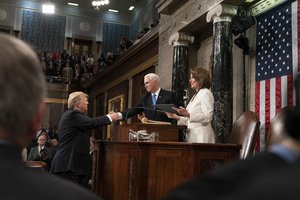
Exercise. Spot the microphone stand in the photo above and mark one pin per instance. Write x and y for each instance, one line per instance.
(141, 107)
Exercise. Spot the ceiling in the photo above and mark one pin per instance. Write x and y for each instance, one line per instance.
(120, 5)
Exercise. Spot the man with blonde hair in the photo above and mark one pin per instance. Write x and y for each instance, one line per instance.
(72, 160)
(22, 86)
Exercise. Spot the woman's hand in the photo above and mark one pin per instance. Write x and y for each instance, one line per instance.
(182, 111)
(172, 115)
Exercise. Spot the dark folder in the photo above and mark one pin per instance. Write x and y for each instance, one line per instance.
(166, 107)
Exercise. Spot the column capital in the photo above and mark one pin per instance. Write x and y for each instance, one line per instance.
(221, 12)
(181, 39)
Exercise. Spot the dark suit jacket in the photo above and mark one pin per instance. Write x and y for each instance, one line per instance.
(145, 105)
(34, 155)
(72, 154)
(279, 184)
(21, 182)
(229, 179)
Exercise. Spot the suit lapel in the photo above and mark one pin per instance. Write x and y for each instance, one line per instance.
(159, 98)
(149, 100)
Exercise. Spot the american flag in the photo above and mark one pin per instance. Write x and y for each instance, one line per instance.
(276, 63)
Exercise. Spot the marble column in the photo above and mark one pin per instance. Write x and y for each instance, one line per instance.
(222, 69)
(180, 70)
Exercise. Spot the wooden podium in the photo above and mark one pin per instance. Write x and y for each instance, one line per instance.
(171, 133)
(134, 170)
(125, 170)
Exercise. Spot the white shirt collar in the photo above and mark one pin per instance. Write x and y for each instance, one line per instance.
(157, 92)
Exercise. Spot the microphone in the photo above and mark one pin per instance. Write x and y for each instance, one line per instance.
(141, 107)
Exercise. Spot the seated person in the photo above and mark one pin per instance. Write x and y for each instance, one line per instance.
(41, 152)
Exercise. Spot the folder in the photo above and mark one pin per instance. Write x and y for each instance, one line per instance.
(166, 108)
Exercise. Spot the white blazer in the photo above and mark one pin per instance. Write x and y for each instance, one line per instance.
(201, 108)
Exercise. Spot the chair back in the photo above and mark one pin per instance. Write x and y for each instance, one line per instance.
(245, 132)
(277, 130)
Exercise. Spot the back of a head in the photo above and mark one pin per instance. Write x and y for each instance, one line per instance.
(22, 86)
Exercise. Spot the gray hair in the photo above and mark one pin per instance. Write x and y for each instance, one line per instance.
(152, 77)
(75, 97)
(22, 86)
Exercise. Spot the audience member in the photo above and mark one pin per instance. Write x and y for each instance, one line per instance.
(124, 45)
(272, 174)
(154, 95)
(90, 60)
(48, 130)
(199, 112)
(78, 74)
(68, 73)
(109, 58)
(41, 152)
(102, 63)
(71, 160)
(22, 112)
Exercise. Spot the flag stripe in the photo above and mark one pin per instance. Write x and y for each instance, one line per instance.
(257, 110)
(290, 92)
(278, 96)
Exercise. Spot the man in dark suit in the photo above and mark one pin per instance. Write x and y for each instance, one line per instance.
(41, 152)
(155, 95)
(72, 160)
(23, 88)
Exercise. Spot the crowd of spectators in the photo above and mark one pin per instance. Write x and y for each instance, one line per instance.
(62, 67)
(126, 43)
(75, 68)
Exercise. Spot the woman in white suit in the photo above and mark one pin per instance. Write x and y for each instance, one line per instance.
(197, 116)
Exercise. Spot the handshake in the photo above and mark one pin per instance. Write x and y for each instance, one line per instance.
(114, 116)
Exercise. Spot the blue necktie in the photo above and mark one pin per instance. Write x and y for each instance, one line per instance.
(154, 99)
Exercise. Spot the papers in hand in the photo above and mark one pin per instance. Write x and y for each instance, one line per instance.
(166, 108)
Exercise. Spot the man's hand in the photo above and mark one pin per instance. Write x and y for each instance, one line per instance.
(113, 116)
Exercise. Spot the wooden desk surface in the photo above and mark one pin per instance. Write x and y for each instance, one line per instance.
(149, 170)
